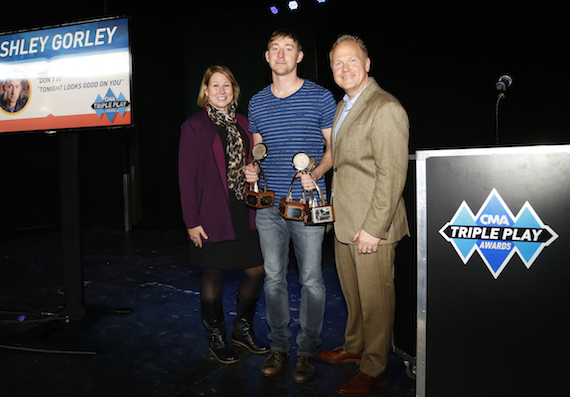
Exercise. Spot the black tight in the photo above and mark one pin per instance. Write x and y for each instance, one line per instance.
(249, 286)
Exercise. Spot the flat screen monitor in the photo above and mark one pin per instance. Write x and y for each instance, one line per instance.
(66, 77)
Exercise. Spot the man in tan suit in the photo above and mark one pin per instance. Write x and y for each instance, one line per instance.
(370, 160)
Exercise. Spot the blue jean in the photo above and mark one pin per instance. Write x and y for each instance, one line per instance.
(275, 233)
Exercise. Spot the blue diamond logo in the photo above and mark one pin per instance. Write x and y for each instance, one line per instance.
(110, 105)
(496, 234)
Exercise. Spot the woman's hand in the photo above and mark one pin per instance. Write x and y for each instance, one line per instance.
(196, 234)
(252, 172)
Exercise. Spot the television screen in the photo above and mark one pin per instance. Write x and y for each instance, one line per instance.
(66, 77)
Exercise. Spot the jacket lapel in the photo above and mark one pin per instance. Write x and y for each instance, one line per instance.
(340, 106)
(353, 114)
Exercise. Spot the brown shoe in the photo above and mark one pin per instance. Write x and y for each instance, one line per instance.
(273, 364)
(339, 356)
(305, 369)
(361, 384)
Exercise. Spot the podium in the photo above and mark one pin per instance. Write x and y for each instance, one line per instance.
(493, 228)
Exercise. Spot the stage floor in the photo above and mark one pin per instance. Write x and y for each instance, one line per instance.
(160, 348)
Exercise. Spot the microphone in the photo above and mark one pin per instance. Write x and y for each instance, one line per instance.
(504, 82)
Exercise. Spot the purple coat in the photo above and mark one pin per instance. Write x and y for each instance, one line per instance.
(202, 177)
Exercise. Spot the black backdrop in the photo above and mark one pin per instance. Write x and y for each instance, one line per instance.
(440, 60)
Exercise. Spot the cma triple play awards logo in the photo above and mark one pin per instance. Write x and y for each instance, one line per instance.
(496, 234)
(110, 105)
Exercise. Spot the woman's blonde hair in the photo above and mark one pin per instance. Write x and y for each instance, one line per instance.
(206, 80)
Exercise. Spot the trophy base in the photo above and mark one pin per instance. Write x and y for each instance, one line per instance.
(293, 210)
(259, 199)
(319, 215)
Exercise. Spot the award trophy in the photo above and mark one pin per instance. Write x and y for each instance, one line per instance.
(304, 209)
(253, 197)
(290, 208)
(315, 214)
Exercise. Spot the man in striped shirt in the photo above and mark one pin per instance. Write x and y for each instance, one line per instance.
(291, 115)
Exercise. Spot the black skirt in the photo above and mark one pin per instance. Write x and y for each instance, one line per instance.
(242, 253)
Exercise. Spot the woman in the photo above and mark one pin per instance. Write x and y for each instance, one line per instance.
(214, 147)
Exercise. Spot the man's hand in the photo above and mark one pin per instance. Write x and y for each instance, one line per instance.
(367, 243)
(306, 181)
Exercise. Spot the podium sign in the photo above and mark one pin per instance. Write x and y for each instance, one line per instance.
(493, 295)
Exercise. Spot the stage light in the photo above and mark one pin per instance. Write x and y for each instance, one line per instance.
(321, 1)
(293, 5)
(274, 10)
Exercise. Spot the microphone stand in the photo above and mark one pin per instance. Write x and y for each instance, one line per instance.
(499, 98)
(504, 82)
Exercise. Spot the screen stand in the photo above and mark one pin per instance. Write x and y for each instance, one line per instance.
(74, 300)
(61, 327)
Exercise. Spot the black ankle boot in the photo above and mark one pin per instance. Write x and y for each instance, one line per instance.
(243, 326)
(213, 318)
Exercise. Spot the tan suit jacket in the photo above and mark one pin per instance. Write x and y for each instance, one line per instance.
(370, 162)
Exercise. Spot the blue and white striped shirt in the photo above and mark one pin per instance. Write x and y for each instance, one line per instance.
(289, 126)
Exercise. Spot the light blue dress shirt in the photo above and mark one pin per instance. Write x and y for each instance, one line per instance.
(349, 103)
